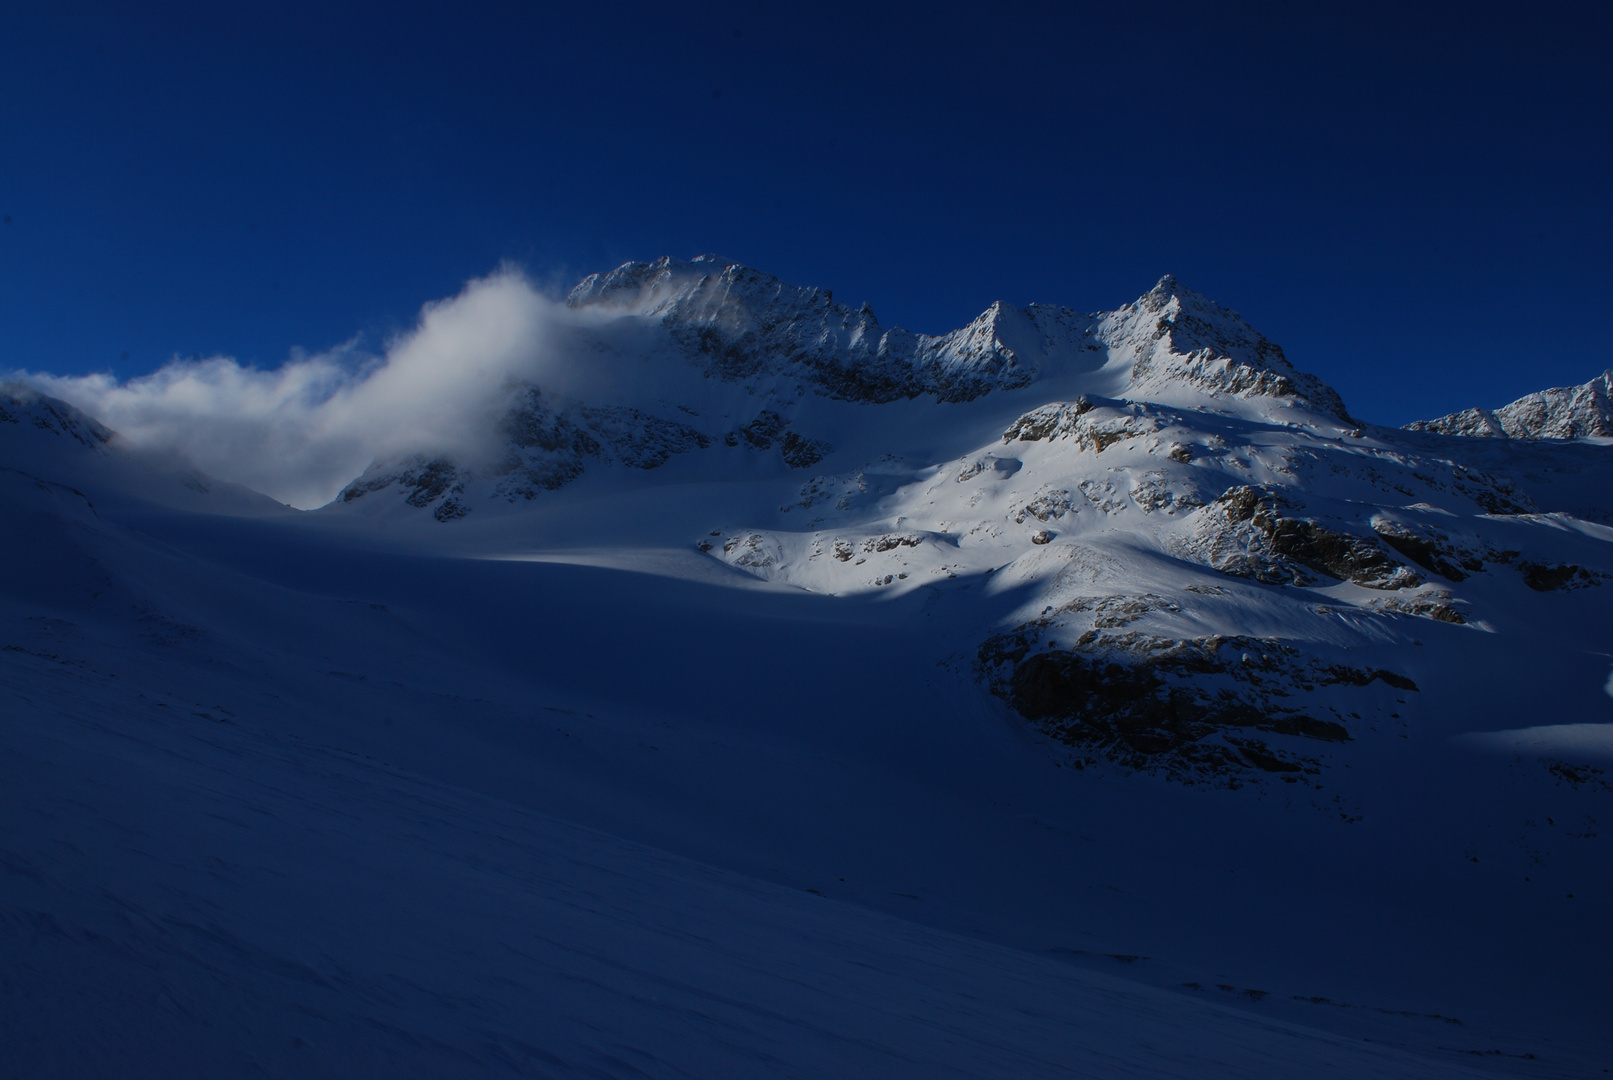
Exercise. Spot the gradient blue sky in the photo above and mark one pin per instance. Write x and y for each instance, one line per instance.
(1414, 200)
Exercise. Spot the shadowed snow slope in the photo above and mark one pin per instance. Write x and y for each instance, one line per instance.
(786, 695)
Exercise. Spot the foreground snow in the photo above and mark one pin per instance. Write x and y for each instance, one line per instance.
(191, 897)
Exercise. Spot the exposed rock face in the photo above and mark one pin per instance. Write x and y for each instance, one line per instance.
(1496, 494)
(1244, 533)
(1214, 709)
(1566, 412)
(1435, 604)
(1087, 424)
(1155, 492)
(1048, 505)
(1542, 577)
(1428, 548)
(544, 447)
(892, 541)
(753, 551)
(798, 451)
(427, 483)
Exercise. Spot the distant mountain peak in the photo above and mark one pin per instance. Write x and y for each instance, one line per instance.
(1562, 412)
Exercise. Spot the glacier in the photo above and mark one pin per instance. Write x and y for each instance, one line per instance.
(1072, 693)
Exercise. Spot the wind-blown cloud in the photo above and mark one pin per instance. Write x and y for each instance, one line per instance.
(301, 431)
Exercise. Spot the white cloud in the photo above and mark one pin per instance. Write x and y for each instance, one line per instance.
(303, 430)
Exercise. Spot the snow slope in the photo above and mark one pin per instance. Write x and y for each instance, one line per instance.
(1099, 698)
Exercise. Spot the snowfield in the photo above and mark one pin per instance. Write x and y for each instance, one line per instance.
(784, 694)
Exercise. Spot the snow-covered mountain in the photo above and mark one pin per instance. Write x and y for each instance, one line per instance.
(688, 357)
(1563, 412)
(1144, 476)
(1127, 705)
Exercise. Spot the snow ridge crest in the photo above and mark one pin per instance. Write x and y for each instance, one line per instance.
(741, 325)
(1562, 412)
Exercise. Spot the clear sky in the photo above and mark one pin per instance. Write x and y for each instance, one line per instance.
(1414, 200)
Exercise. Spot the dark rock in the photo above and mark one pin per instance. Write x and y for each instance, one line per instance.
(1431, 551)
(759, 433)
(1197, 709)
(1327, 551)
(1543, 578)
(1399, 682)
(429, 482)
(800, 452)
(450, 509)
(891, 541)
(1192, 708)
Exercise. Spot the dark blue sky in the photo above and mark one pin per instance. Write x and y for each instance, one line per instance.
(1415, 204)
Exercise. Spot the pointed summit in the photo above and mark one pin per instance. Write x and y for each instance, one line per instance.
(1181, 341)
(1163, 290)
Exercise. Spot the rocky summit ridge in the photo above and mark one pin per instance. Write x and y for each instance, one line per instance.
(745, 348)
(1563, 412)
(737, 323)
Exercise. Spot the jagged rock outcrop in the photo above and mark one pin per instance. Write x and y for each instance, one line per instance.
(1563, 412)
(1429, 548)
(1246, 533)
(1090, 425)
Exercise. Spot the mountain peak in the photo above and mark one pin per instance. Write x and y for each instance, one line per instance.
(1181, 341)
(1562, 412)
(1169, 293)
(1165, 288)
